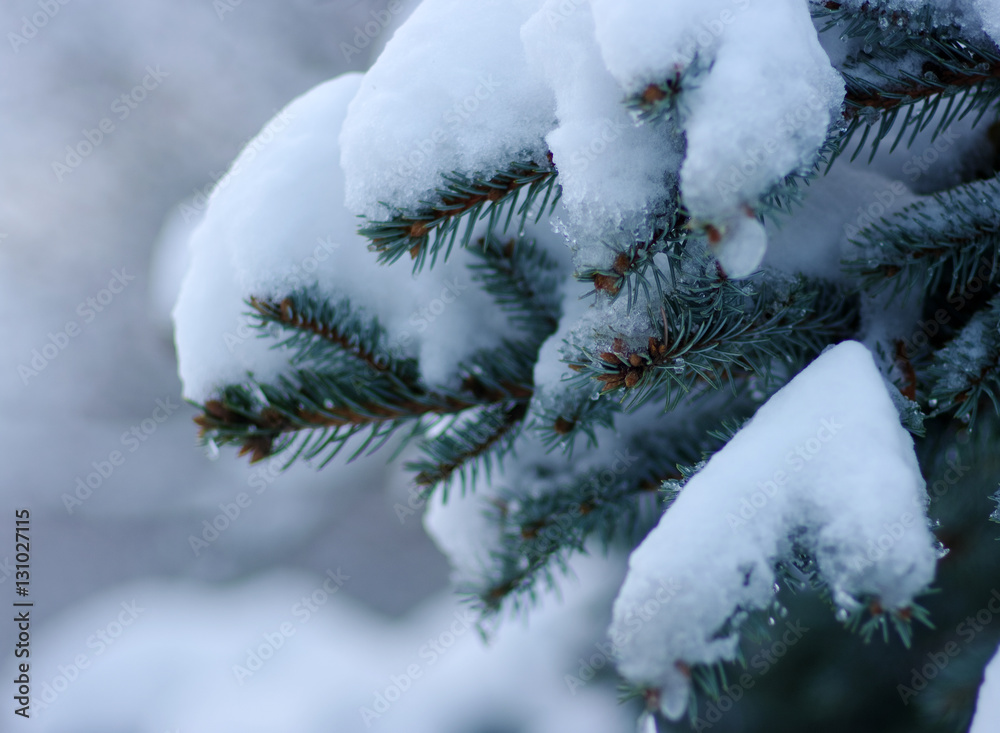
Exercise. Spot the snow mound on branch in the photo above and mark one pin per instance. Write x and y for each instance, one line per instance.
(613, 173)
(730, 55)
(275, 223)
(450, 92)
(825, 460)
(987, 718)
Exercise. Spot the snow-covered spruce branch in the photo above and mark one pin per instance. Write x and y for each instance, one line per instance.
(965, 375)
(569, 383)
(724, 564)
(609, 505)
(957, 67)
(339, 397)
(458, 204)
(716, 331)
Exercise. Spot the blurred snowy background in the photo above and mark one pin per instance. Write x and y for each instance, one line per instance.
(116, 118)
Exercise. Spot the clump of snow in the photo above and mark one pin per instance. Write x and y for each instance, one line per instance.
(614, 174)
(987, 719)
(989, 11)
(451, 92)
(824, 460)
(737, 147)
(730, 55)
(275, 223)
(742, 246)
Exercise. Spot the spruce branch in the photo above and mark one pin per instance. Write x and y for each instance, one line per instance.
(458, 205)
(712, 329)
(485, 438)
(954, 234)
(307, 315)
(335, 397)
(523, 280)
(633, 271)
(956, 71)
(544, 527)
(965, 374)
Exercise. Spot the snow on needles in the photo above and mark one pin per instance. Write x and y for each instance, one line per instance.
(451, 92)
(826, 461)
(470, 86)
(275, 223)
(732, 54)
(614, 175)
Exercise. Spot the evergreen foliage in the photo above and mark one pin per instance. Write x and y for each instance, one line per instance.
(712, 349)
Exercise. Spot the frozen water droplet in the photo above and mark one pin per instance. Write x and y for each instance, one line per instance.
(770, 621)
(883, 22)
(932, 403)
(868, 48)
(777, 588)
(842, 615)
(328, 404)
(783, 612)
(211, 449)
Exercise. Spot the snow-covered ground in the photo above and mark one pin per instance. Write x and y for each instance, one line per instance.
(111, 114)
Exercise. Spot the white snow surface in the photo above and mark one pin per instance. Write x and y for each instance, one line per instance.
(737, 147)
(824, 459)
(268, 655)
(613, 174)
(451, 92)
(989, 11)
(987, 718)
(275, 222)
